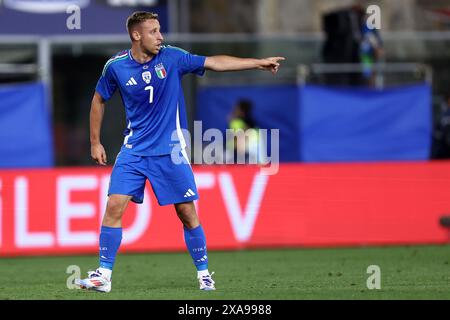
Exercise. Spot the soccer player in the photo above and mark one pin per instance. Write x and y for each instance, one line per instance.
(148, 77)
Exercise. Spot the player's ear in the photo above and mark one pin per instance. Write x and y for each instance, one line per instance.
(135, 35)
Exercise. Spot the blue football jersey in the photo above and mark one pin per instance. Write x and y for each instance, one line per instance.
(153, 97)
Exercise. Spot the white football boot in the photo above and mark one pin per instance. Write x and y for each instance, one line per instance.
(206, 282)
(94, 281)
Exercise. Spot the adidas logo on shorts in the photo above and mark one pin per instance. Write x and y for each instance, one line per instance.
(189, 193)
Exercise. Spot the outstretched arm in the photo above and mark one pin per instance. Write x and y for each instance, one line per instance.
(96, 117)
(229, 63)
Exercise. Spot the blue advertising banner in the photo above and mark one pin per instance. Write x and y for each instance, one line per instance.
(320, 124)
(25, 127)
(364, 124)
(61, 17)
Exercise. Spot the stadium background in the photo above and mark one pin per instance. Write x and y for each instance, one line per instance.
(360, 166)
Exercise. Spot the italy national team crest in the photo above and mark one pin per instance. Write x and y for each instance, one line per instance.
(160, 71)
(146, 76)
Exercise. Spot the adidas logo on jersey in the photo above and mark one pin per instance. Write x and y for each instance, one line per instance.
(189, 193)
(131, 82)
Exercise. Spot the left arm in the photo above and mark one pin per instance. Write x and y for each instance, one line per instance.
(229, 63)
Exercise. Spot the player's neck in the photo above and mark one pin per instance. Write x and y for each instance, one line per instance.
(140, 56)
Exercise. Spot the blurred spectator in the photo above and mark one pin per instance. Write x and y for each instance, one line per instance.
(350, 40)
(343, 35)
(371, 52)
(241, 119)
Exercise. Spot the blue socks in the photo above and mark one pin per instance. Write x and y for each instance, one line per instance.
(196, 244)
(110, 239)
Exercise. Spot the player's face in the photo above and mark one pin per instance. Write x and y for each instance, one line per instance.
(151, 37)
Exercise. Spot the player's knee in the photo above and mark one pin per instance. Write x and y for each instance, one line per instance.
(184, 209)
(186, 213)
(115, 208)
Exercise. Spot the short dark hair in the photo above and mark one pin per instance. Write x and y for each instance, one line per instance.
(138, 17)
(245, 106)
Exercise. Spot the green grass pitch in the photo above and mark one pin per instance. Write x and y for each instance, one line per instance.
(412, 272)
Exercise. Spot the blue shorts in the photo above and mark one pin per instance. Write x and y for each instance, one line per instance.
(171, 183)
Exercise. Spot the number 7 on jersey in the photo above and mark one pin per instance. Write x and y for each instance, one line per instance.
(151, 93)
